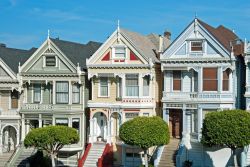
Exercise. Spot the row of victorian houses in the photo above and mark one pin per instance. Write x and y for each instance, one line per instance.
(96, 87)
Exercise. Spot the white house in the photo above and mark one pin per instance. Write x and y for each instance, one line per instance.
(199, 77)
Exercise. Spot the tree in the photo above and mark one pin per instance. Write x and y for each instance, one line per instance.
(51, 139)
(229, 128)
(145, 132)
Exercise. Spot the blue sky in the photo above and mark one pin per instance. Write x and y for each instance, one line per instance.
(24, 23)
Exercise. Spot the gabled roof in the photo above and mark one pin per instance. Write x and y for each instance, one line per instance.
(12, 56)
(143, 43)
(77, 52)
(224, 36)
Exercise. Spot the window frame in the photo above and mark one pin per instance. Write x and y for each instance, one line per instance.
(35, 91)
(203, 79)
(62, 92)
(114, 51)
(228, 80)
(195, 51)
(99, 87)
(14, 95)
(179, 79)
(76, 92)
(148, 80)
(46, 63)
(138, 85)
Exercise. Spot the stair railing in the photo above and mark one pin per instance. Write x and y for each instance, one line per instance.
(82, 160)
(106, 159)
(243, 157)
(15, 155)
(158, 155)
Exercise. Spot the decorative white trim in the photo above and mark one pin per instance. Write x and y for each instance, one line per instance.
(11, 73)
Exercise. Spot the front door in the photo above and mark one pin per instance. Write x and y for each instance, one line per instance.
(175, 123)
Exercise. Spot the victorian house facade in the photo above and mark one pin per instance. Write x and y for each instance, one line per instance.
(200, 76)
(126, 82)
(10, 96)
(54, 87)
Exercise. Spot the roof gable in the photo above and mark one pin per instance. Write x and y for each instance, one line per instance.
(139, 49)
(6, 72)
(196, 31)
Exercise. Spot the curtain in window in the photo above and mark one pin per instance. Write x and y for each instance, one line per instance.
(210, 79)
(103, 86)
(75, 93)
(37, 93)
(146, 81)
(132, 85)
(62, 92)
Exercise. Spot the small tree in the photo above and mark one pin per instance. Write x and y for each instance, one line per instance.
(145, 132)
(229, 128)
(51, 139)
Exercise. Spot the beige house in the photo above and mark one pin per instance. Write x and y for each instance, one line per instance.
(126, 82)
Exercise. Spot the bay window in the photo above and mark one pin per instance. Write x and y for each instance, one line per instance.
(210, 79)
(75, 93)
(62, 92)
(104, 86)
(132, 85)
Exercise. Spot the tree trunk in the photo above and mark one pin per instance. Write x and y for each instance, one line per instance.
(146, 157)
(52, 156)
(235, 158)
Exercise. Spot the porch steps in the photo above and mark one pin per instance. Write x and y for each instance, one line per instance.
(67, 159)
(4, 157)
(95, 152)
(169, 154)
(23, 158)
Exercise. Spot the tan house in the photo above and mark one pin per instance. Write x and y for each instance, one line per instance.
(126, 82)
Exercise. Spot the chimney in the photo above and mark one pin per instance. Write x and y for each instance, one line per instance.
(160, 44)
(167, 34)
(2, 45)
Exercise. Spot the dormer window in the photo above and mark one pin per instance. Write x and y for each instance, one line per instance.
(196, 46)
(119, 52)
(50, 61)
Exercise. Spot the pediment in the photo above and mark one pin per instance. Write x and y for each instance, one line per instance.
(185, 45)
(48, 59)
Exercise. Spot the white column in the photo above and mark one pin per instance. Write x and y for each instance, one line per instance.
(200, 79)
(200, 121)
(54, 92)
(1, 143)
(123, 85)
(140, 85)
(184, 122)
(70, 92)
(165, 113)
(220, 77)
(188, 115)
(23, 128)
(40, 121)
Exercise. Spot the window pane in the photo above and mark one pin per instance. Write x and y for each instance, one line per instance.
(103, 86)
(132, 87)
(120, 52)
(50, 61)
(177, 80)
(196, 46)
(210, 79)
(62, 121)
(62, 92)
(37, 93)
(14, 99)
(146, 81)
(225, 85)
(75, 93)
(76, 124)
